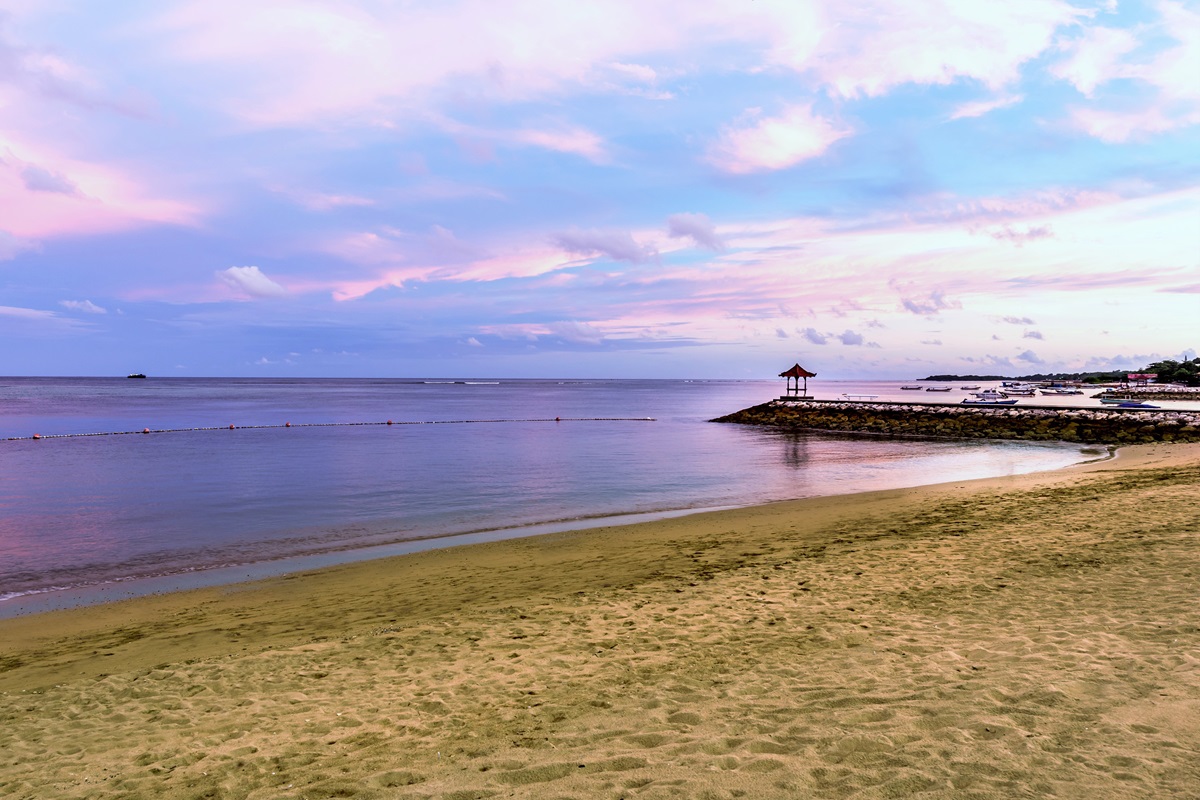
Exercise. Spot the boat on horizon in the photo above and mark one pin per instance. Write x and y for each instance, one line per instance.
(937, 388)
(135, 375)
(909, 387)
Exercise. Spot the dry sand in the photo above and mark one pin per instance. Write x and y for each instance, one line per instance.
(1034, 636)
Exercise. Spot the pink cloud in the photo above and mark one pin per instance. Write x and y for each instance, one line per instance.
(982, 107)
(775, 143)
(45, 194)
(576, 141)
(1122, 126)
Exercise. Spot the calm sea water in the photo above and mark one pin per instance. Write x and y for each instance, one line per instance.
(87, 518)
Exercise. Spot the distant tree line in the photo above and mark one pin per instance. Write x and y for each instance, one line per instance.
(1186, 373)
(1183, 372)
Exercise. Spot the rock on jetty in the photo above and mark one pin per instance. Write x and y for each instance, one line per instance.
(1091, 425)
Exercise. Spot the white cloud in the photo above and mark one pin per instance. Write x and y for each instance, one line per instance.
(26, 313)
(873, 46)
(1166, 75)
(86, 306)
(1095, 59)
(851, 338)
(1032, 335)
(774, 143)
(251, 281)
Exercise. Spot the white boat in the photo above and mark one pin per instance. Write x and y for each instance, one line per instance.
(966, 388)
(996, 402)
(989, 394)
(937, 389)
(1054, 392)
(910, 387)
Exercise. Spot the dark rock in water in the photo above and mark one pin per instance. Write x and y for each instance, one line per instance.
(1088, 425)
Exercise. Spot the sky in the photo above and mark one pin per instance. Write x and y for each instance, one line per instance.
(876, 189)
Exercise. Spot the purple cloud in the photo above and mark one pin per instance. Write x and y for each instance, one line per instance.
(814, 336)
(697, 227)
(1010, 234)
(1030, 357)
(40, 179)
(933, 303)
(617, 245)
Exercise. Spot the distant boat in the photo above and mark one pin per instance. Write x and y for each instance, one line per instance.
(1135, 404)
(969, 388)
(910, 387)
(937, 389)
(990, 394)
(135, 375)
(1112, 401)
(1059, 391)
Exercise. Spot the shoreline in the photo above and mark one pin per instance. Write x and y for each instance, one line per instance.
(40, 601)
(985, 638)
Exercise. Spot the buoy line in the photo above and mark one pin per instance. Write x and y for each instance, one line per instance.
(38, 436)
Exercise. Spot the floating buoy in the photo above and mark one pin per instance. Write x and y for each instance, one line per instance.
(230, 427)
(389, 422)
(287, 424)
(145, 430)
(37, 436)
(556, 419)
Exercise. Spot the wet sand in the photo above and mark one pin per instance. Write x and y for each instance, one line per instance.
(1033, 636)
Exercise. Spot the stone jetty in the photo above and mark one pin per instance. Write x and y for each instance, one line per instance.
(1091, 425)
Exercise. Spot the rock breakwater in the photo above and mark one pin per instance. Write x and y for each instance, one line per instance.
(1098, 426)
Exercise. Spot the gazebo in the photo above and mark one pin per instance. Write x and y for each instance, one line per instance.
(797, 373)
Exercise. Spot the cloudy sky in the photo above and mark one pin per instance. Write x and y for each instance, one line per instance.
(679, 188)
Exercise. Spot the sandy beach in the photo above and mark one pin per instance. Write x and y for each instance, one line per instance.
(1031, 636)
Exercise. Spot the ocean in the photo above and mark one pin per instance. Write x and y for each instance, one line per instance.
(255, 477)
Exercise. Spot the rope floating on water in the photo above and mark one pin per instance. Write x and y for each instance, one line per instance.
(38, 436)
